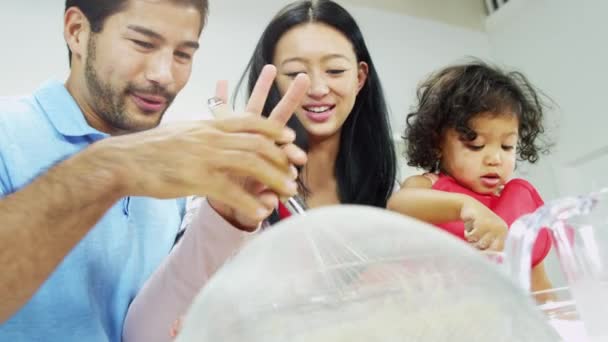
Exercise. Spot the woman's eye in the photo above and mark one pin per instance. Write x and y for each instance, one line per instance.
(335, 71)
(475, 147)
(508, 147)
(293, 74)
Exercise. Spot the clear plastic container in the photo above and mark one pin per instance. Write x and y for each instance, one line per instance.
(353, 273)
(579, 229)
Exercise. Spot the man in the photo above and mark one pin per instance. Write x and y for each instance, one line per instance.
(87, 179)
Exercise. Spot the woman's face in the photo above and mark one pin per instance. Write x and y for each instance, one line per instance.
(328, 58)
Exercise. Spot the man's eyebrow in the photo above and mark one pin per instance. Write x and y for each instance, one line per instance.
(191, 44)
(146, 32)
(157, 36)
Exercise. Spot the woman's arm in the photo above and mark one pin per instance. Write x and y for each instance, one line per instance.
(207, 244)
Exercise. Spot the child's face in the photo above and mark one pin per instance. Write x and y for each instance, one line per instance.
(486, 163)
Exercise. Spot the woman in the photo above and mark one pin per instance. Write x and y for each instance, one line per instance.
(343, 118)
(343, 122)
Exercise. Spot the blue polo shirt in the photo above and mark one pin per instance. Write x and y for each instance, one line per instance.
(87, 296)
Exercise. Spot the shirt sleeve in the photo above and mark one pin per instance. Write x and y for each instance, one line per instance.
(208, 242)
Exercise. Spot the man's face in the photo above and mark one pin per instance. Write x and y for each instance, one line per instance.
(138, 63)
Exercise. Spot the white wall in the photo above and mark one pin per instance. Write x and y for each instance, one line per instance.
(33, 49)
(470, 14)
(562, 45)
(405, 49)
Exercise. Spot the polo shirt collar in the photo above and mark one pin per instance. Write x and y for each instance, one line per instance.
(63, 111)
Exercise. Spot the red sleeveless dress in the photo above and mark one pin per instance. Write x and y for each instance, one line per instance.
(517, 198)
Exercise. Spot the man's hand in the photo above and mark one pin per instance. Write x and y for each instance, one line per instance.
(208, 158)
(196, 158)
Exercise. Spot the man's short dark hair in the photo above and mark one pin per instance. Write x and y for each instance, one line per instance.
(97, 11)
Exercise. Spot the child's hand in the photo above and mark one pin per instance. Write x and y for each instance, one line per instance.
(483, 228)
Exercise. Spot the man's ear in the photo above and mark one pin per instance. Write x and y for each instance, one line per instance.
(76, 32)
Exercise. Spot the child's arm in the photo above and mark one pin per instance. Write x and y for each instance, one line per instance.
(540, 282)
(485, 229)
(418, 200)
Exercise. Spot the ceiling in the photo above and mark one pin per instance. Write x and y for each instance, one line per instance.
(469, 14)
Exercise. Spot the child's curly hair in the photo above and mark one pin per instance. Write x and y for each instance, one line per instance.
(451, 97)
